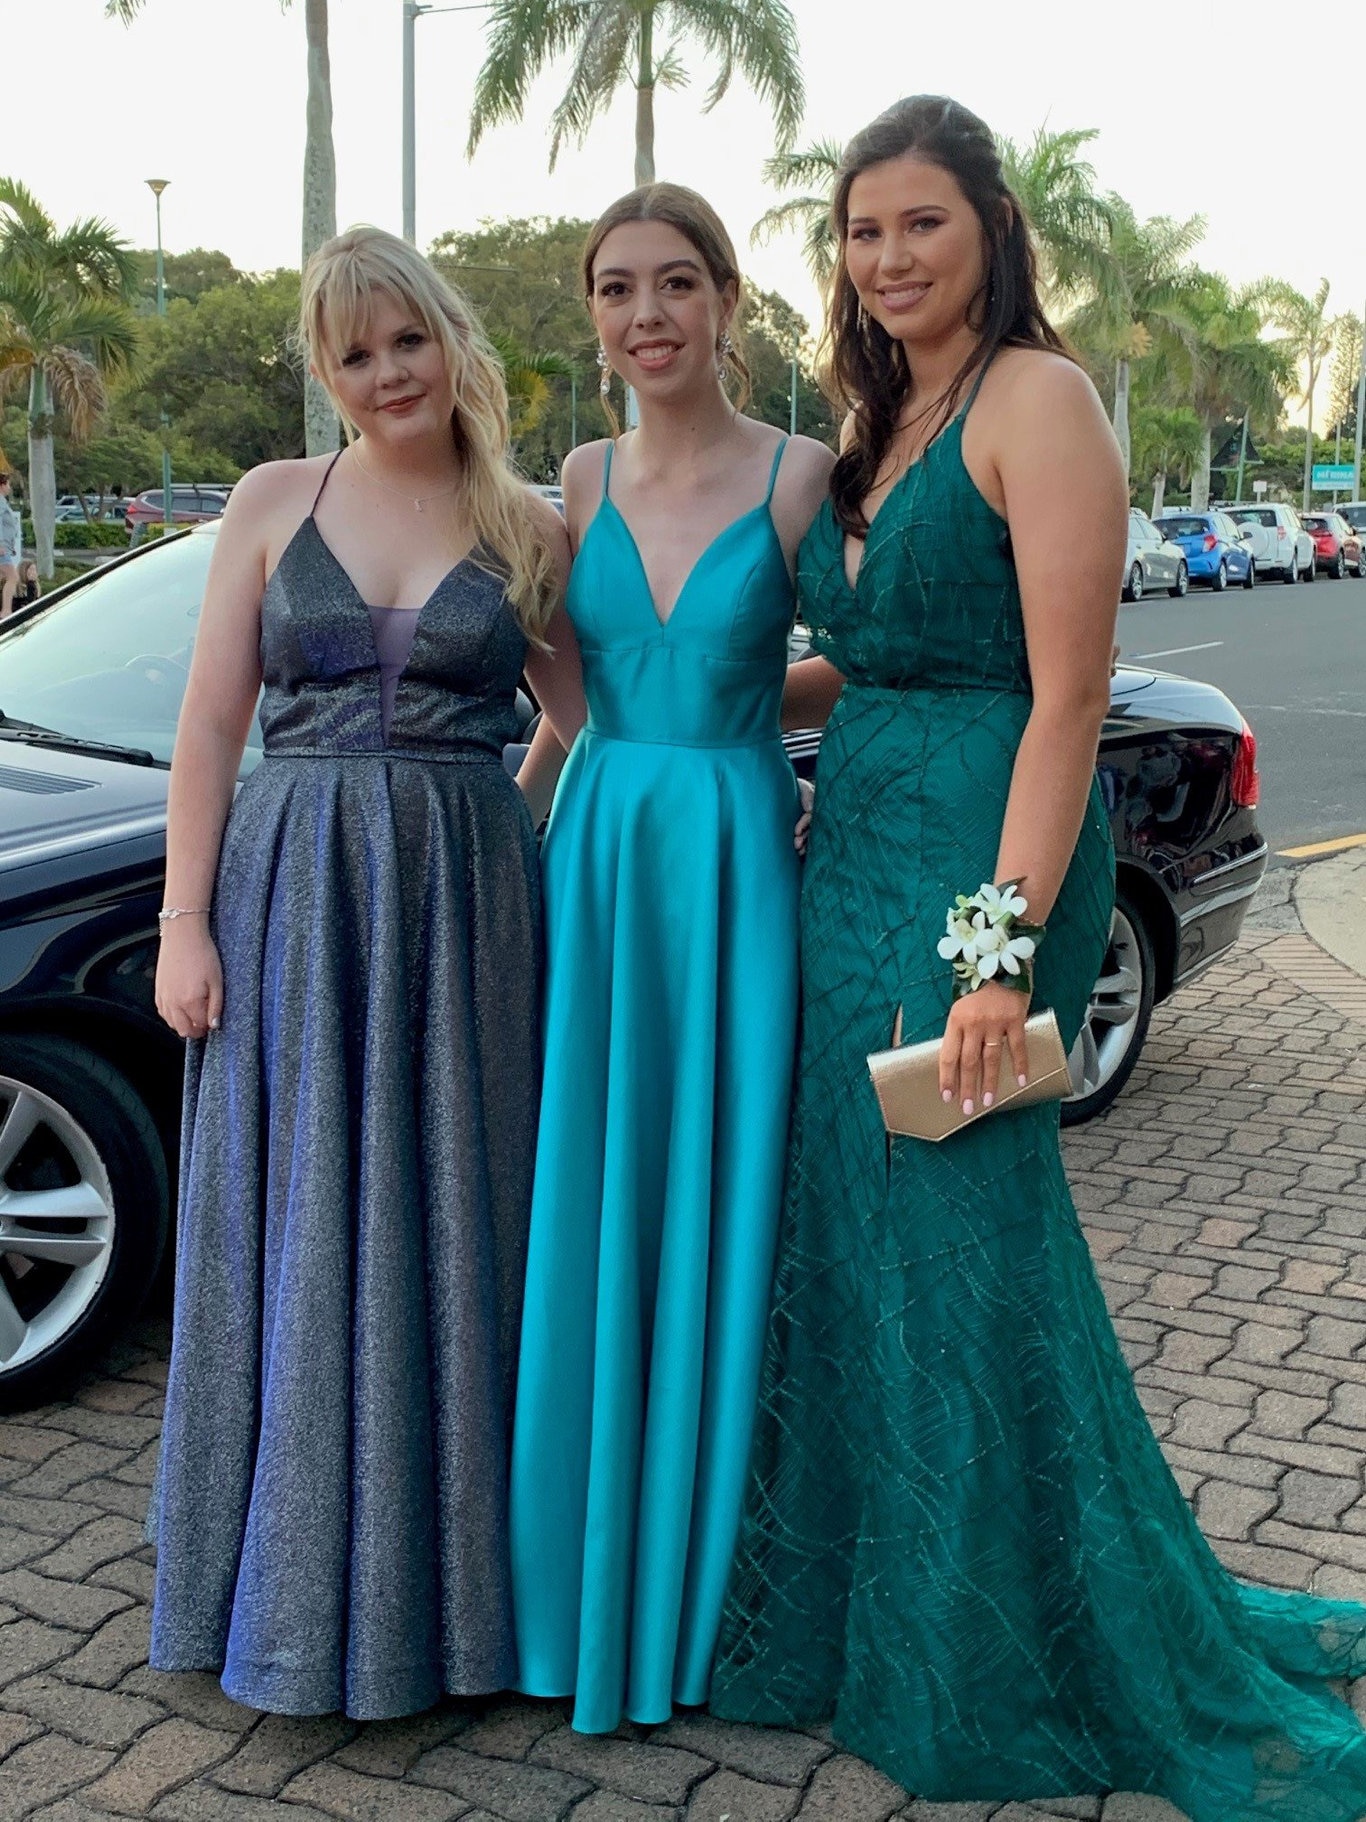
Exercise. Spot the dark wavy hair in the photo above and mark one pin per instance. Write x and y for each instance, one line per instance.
(699, 224)
(866, 367)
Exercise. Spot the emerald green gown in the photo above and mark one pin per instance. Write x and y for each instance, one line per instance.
(962, 1543)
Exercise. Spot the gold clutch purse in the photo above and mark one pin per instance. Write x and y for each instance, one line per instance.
(906, 1081)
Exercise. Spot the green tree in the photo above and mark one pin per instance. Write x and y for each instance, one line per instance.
(614, 44)
(1227, 369)
(66, 327)
(187, 275)
(1166, 440)
(812, 172)
(320, 184)
(1137, 298)
(1310, 335)
(1071, 224)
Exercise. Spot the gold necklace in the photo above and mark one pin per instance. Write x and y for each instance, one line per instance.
(402, 492)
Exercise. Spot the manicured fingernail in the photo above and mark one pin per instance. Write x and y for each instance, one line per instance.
(948, 1095)
(987, 1099)
(967, 1107)
(213, 1024)
(1023, 1080)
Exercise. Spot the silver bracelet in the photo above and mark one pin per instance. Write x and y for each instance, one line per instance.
(169, 912)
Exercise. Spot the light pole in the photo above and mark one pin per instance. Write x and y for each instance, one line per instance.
(156, 185)
(412, 10)
(1361, 407)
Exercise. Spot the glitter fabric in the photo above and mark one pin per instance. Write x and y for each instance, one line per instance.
(962, 1544)
(356, 1174)
(671, 995)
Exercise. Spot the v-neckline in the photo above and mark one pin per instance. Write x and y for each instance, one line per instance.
(664, 621)
(360, 600)
(892, 491)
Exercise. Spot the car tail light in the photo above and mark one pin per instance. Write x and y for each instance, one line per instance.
(1210, 540)
(1246, 786)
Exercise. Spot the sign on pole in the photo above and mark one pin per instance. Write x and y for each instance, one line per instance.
(1326, 477)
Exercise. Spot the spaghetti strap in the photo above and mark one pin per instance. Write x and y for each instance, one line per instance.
(607, 465)
(773, 472)
(976, 386)
(326, 478)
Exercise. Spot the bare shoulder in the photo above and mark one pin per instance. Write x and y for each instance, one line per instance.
(582, 467)
(1032, 381)
(277, 487)
(808, 457)
(550, 524)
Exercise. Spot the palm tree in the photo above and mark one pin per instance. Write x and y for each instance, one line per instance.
(1139, 297)
(1165, 438)
(321, 431)
(66, 324)
(614, 43)
(813, 171)
(1310, 336)
(1228, 369)
(528, 379)
(1071, 224)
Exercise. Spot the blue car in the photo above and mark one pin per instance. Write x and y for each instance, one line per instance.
(1216, 550)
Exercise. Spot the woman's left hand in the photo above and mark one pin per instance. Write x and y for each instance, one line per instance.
(984, 1035)
(806, 793)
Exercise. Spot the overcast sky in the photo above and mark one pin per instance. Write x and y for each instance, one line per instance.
(211, 97)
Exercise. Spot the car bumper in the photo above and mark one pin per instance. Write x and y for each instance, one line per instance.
(1211, 922)
(1201, 564)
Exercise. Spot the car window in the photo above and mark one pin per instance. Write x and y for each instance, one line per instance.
(1253, 515)
(1179, 527)
(1355, 517)
(1314, 522)
(110, 660)
(184, 499)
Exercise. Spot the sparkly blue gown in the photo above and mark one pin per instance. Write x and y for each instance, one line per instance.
(671, 915)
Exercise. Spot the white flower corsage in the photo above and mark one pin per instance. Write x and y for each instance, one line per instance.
(988, 940)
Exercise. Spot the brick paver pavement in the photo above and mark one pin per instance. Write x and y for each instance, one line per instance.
(1225, 1200)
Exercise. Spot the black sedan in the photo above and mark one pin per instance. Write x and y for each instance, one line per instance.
(91, 681)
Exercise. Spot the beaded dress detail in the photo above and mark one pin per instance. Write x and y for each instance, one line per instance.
(962, 1542)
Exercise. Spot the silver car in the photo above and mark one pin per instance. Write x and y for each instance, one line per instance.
(1151, 560)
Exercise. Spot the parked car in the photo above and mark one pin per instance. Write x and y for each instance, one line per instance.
(555, 495)
(190, 505)
(1355, 515)
(1336, 546)
(1152, 560)
(91, 681)
(1216, 550)
(1280, 544)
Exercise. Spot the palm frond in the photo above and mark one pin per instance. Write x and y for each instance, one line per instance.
(814, 166)
(601, 64)
(77, 389)
(670, 70)
(523, 37)
(757, 38)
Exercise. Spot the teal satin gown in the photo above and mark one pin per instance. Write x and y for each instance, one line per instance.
(671, 889)
(962, 1544)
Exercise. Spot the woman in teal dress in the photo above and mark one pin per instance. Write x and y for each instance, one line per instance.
(670, 880)
(962, 1544)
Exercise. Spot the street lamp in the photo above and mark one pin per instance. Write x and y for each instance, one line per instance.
(412, 10)
(156, 185)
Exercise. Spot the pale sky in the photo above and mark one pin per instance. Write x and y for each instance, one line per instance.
(212, 97)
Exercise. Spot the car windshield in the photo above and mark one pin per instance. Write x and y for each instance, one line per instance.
(1310, 523)
(110, 660)
(1252, 515)
(1183, 528)
(1355, 516)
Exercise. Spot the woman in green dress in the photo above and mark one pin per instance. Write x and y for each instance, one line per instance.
(962, 1543)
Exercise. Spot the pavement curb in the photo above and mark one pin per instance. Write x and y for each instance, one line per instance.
(1330, 897)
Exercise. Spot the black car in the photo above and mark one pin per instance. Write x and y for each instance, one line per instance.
(91, 681)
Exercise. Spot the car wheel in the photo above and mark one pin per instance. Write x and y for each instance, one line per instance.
(1339, 569)
(84, 1208)
(1308, 575)
(1250, 579)
(1219, 580)
(1291, 573)
(1133, 588)
(1116, 1023)
(1361, 566)
(1182, 582)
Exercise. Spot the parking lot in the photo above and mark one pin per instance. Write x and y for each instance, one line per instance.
(1225, 1201)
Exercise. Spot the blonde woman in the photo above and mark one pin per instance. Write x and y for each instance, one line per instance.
(353, 948)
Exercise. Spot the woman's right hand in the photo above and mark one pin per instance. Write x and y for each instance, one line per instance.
(189, 987)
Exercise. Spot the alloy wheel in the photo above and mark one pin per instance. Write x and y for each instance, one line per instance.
(56, 1222)
(1113, 1014)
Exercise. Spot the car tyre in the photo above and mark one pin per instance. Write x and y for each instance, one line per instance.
(1182, 583)
(85, 1211)
(1291, 572)
(1219, 580)
(1116, 1023)
(1133, 588)
(1339, 569)
(1250, 579)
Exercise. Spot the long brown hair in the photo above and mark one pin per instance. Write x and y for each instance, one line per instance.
(866, 367)
(699, 224)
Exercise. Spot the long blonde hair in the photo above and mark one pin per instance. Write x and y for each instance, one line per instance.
(340, 282)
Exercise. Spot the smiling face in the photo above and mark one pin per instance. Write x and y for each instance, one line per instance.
(914, 249)
(657, 309)
(390, 376)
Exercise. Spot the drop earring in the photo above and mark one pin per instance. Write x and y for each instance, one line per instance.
(605, 383)
(724, 349)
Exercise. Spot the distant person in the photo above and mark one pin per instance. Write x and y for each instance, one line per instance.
(359, 928)
(30, 588)
(11, 544)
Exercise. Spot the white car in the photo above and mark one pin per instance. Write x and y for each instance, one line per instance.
(1280, 544)
(1151, 560)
